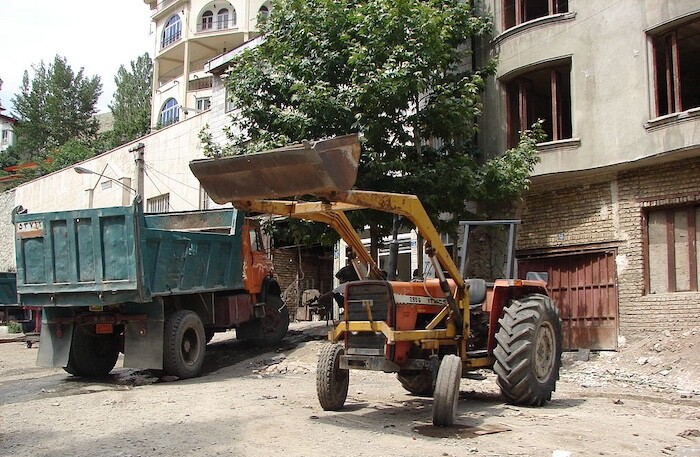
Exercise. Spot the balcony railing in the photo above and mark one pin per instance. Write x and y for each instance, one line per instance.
(200, 83)
(213, 26)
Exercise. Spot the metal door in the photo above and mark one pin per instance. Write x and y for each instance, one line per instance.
(584, 288)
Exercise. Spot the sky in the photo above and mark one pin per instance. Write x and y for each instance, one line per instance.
(97, 35)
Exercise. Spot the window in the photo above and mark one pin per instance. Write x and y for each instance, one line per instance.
(671, 250)
(677, 68)
(172, 31)
(222, 19)
(203, 103)
(5, 136)
(230, 106)
(159, 204)
(169, 113)
(263, 12)
(541, 94)
(207, 20)
(516, 12)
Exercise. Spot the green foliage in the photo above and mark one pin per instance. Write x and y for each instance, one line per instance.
(397, 71)
(71, 152)
(506, 177)
(56, 105)
(14, 327)
(131, 107)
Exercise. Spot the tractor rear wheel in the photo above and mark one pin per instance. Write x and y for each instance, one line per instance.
(528, 352)
(446, 392)
(331, 381)
(417, 382)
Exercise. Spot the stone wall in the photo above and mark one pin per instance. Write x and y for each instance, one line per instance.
(7, 231)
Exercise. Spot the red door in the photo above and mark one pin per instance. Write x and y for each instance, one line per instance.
(584, 288)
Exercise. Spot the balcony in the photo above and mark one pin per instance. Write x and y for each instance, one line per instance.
(216, 26)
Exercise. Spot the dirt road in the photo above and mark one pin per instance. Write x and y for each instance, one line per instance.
(253, 403)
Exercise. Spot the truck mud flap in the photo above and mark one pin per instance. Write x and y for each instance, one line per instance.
(143, 341)
(317, 168)
(55, 339)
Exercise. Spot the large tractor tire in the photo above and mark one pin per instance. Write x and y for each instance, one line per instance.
(331, 381)
(528, 352)
(417, 382)
(446, 393)
(184, 344)
(269, 330)
(92, 355)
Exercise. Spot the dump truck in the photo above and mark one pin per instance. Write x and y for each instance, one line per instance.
(155, 287)
(430, 333)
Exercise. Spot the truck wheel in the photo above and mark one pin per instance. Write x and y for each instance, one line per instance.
(184, 344)
(331, 381)
(269, 330)
(417, 382)
(92, 355)
(447, 391)
(528, 353)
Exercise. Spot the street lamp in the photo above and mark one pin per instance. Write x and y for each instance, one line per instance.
(86, 171)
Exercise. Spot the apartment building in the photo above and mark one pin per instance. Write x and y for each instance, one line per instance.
(188, 34)
(613, 213)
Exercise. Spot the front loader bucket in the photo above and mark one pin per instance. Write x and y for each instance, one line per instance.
(305, 169)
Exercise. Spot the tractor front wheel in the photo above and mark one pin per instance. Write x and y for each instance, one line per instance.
(528, 353)
(446, 392)
(331, 381)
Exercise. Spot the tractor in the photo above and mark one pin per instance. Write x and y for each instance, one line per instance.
(430, 333)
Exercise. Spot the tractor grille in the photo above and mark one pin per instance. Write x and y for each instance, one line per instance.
(379, 297)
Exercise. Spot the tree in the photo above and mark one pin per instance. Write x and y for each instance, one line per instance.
(398, 71)
(132, 101)
(55, 106)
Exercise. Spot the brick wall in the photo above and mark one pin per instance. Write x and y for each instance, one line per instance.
(664, 184)
(314, 272)
(609, 210)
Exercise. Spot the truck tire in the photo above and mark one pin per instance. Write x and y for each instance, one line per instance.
(446, 392)
(331, 381)
(184, 344)
(92, 355)
(528, 351)
(417, 382)
(269, 330)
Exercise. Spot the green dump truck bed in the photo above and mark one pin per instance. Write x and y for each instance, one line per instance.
(115, 255)
(8, 289)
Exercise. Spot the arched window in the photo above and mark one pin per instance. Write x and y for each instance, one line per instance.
(207, 20)
(169, 113)
(234, 16)
(172, 31)
(222, 19)
(263, 12)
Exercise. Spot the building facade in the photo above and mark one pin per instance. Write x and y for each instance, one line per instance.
(613, 212)
(188, 34)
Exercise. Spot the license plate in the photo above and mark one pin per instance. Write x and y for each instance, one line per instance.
(30, 229)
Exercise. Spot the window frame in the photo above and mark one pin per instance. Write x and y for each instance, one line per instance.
(692, 210)
(519, 8)
(172, 31)
(164, 117)
(521, 116)
(667, 76)
(157, 203)
(222, 19)
(207, 22)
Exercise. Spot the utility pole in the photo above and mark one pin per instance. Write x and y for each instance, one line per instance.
(139, 150)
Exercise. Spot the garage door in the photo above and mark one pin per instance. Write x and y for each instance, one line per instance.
(584, 288)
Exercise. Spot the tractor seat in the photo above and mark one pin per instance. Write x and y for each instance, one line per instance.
(477, 293)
